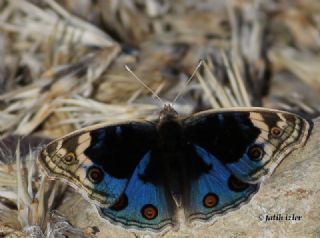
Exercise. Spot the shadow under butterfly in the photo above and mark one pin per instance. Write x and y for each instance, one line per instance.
(139, 174)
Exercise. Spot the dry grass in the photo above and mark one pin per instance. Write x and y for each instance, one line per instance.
(62, 68)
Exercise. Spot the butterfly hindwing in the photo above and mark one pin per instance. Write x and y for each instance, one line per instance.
(143, 205)
(215, 191)
(249, 142)
(99, 160)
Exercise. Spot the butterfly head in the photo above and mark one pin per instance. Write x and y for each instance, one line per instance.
(168, 113)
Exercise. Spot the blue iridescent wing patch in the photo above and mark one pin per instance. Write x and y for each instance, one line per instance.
(142, 205)
(215, 191)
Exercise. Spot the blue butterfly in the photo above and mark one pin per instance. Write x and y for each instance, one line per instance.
(140, 173)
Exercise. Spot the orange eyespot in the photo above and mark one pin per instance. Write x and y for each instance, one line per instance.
(255, 153)
(237, 185)
(149, 212)
(69, 158)
(121, 203)
(210, 200)
(95, 174)
(276, 132)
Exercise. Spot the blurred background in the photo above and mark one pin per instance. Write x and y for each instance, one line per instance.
(62, 63)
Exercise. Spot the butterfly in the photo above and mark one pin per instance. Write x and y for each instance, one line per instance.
(139, 174)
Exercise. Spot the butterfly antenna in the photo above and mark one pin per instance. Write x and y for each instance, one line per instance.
(154, 94)
(187, 82)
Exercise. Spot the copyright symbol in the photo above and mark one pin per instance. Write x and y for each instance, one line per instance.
(261, 217)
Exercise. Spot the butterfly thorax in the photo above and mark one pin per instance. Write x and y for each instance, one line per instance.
(170, 131)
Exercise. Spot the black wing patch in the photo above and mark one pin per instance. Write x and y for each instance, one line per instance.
(119, 149)
(225, 135)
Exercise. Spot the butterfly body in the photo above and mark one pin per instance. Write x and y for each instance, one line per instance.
(139, 173)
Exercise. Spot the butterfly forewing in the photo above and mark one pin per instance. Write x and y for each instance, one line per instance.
(99, 160)
(249, 142)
